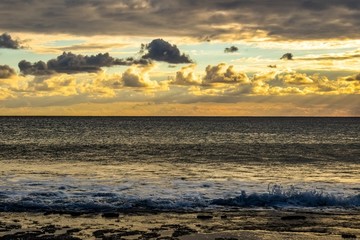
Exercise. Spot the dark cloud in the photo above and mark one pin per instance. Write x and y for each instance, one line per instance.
(287, 56)
(284, 19)
(161, 50)
(314, 5)
(231, 49)
(6, 71)
(6, 41)
(353, 78)
(72, 63)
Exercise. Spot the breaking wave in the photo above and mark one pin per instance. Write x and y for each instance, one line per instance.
(276, 197)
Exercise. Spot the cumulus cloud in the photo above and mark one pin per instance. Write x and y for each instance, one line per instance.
(186, 76)
(6, 72)
(73, 63)
(94, 85)
(138, 78)
(57, 85)
(214, 76)
(296, 79)
(161, 50)
(6, 93)
(353, 78)
(6, 41)
(222, 73)
(288, 83)
(287, 56)
(231, 49)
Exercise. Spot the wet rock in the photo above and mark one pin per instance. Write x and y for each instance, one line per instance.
(73, 230)
(60, 237)
(22, 235)
(49, 228)
(348, 236)
(110, 215)
(6, 226)
(204, 217)
(114, 234)
(75, 214)
(150, 235)
(102, 232)
(183, 230)
(293, 217)
(230, 238)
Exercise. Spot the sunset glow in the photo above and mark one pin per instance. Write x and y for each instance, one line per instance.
(144, 57)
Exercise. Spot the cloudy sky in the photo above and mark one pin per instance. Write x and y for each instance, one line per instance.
(180, 57)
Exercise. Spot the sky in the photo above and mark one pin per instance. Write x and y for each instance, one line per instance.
(180, 57)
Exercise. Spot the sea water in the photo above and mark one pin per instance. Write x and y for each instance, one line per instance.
(101, 164)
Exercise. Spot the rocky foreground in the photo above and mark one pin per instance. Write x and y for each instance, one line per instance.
(239, 224)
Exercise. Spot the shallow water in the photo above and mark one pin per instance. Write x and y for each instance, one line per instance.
(106, 164)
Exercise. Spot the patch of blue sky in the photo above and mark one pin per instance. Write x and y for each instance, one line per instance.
(13, 57)
(212, 53)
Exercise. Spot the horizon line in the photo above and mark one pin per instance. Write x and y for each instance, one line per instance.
(181, 116)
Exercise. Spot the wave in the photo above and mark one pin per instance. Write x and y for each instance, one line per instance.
(277, 197)
(101, 202)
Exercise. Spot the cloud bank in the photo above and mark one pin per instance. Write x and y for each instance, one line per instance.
(72, 63)
(217, 19)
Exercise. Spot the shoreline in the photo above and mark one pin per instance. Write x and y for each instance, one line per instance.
(211, 225)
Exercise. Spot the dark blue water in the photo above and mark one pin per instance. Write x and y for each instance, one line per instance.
(291, 140)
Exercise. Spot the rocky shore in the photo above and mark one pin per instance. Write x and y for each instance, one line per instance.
(212, 225)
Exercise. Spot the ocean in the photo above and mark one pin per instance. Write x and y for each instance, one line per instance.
(181, 164)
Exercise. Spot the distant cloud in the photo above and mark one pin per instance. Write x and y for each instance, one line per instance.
(6, 72)
(62, 84)
(335, 57)
(222, 73)
(297, 79)
(6, 41)
(289, 83)
(218, 74)
(222, 80)
(287, 56)
(231, 49)
(353, 78)
(137, 78)
(161, 50)
(90, 46)
(73, 63)
(272, 66)
(186, 76)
